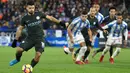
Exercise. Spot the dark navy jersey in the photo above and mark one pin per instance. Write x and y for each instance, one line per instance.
(107, 20)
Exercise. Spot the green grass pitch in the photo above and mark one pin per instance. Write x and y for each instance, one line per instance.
(54, 60)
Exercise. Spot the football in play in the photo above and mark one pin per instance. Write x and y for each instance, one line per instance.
(27, 68)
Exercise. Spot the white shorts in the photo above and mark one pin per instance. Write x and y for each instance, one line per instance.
(114, 41)
(78, 38)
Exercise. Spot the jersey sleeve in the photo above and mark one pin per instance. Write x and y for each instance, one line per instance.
(88, 24)
(104, 21)
(101, 20)
(125, 32)
(74, 22)
(42, 15)
(22, 22)
(107, 26)
(98, 26)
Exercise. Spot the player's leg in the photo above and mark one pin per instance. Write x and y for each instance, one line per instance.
(117, 51)
(111, 51)
(39, 48)
(81, 53)
(75, 53)
(18, 55)
(88, 43)
(96, 34)
(101, 49)
(36, 59)
(70, 48)
(118, 43)
(80, 39)
(20, 50)
(24, 46)
(94, 37)
(97, 51)
(86, 55)
(107, 48)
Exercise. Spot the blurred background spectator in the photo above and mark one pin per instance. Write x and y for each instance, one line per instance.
(11, 11)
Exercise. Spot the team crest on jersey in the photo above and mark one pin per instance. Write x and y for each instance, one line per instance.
(94, 23)
(38, 17)
(23, 41)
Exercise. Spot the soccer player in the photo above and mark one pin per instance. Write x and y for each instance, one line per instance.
(118, 28)
(32, 20)
(100, 18)
(74, 35)
(94, 26)
(111, 17)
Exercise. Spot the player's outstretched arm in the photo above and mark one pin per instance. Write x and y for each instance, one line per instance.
(51, 18)
(105, 27)
(109, 25)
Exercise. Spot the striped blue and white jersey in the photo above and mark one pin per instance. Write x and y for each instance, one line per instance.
(77, 24)
(116, 30)
(100, 17)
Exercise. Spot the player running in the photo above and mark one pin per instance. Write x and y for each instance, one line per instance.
(118, 28)
(111, 17)
(100, 18)
(32, 21)
(74, 35)
(94, 25)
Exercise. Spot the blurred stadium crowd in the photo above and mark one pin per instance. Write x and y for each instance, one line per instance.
(11, 11)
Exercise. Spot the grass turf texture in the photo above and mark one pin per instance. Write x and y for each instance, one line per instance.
(54, 60)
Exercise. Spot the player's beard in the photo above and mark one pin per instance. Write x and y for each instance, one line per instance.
(92, 16)
(31, 12)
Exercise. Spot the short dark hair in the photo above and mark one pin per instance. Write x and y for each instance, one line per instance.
(84, 12)
(95, 3)
(112, 8)
(119, 14)
(30, 3)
